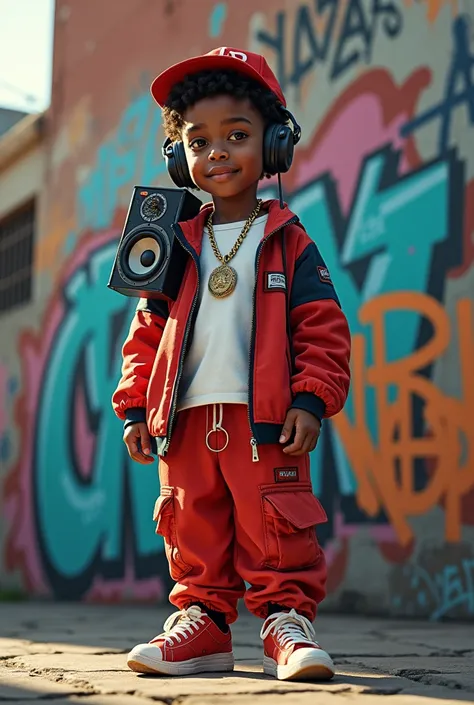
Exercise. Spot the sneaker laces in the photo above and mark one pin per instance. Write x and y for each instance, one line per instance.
(289, 628)
(181, 624)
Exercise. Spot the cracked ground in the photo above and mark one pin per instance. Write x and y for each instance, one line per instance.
(75, 653)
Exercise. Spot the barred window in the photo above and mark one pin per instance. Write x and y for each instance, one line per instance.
(16, 257)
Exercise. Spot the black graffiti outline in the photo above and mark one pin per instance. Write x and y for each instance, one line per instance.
(358, 22)
(462, 66)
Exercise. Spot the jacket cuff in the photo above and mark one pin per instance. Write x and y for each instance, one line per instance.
(133, 415)
(311, 403)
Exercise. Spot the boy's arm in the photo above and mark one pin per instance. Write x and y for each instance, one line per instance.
(320, 336)
(138, 352)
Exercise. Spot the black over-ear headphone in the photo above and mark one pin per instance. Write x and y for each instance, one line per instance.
(278, 148)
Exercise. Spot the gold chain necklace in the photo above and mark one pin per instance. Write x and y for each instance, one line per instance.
(223, 279)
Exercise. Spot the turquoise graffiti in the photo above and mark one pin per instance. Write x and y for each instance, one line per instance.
(131, 155)
(217, 19)
(440, 584)
(91, 500)
(83, 477)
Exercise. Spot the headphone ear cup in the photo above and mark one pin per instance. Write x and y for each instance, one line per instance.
(278, 149)
(177, 164)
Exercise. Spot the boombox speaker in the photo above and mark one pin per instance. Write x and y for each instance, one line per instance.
(150, 261)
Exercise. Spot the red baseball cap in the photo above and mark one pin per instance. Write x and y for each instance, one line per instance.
(245, 62)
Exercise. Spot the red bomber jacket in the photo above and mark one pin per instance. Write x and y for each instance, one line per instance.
(300, 340)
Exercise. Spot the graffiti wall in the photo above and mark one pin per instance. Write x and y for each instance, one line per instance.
(383, 180)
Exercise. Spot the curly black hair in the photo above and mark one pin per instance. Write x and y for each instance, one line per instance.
(212, 83)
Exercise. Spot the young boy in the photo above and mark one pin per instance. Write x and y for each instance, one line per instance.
(233, 379)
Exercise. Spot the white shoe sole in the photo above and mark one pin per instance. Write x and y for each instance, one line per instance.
(214, 663)
(310, 668)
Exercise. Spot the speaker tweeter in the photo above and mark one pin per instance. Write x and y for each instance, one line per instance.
(150, 260)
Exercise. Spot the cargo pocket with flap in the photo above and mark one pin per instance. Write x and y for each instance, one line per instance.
(290, 517)
(166, 527)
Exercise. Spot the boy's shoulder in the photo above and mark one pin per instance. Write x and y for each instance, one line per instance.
(295, 231)
(288, 221)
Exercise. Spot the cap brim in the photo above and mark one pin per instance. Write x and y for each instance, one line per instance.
(162, 85)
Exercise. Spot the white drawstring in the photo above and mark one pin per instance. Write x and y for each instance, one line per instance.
(216, 426)
(289, 627)
(181, 624)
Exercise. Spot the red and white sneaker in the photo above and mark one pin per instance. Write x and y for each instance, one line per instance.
(291, 651)
(191, 643)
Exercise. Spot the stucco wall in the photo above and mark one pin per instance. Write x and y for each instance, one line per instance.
(383, 181)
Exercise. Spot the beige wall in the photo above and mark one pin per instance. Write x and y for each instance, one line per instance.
(22, 181)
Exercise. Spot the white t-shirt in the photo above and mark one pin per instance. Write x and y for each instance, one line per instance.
(216, 368)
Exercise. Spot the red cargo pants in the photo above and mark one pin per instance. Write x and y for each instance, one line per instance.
(226, 519)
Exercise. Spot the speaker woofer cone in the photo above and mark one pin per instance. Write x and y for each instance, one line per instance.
(144, 254)
(138, 255)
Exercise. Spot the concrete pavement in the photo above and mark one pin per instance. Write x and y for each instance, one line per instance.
(75, 653)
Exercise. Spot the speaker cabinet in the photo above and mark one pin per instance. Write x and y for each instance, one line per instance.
(150, 262)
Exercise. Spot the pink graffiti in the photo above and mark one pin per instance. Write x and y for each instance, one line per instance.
(83, 438)
(367, 116)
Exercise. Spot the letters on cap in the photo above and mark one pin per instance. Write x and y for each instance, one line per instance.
(235, 54)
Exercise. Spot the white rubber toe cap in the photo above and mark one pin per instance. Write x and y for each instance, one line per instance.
(310, 654)
(146, 653)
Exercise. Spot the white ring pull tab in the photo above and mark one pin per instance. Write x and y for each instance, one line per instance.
(217, 426)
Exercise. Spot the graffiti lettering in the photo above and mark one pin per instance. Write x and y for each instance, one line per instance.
(97, 481)
(372, 248)
(313, 37)
(385, 471)
(459, 88)
(441, 585)
(131, 155)
(390, 229)
(94, 517)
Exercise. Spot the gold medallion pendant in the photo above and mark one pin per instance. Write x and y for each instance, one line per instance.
(222, 281)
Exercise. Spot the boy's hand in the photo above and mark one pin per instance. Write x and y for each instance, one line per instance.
(307, 429)
(134, 435)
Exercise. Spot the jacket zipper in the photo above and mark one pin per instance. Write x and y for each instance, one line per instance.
(174, 402)
(253, 440)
